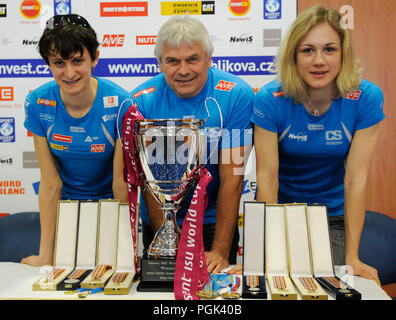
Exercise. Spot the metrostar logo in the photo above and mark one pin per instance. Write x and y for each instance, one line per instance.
(144, 91)
(60, 137)
(46, 102)
(124, 9)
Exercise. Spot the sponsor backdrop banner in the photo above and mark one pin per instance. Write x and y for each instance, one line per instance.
(246, 35)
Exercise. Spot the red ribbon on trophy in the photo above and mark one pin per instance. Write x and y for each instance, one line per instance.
(132, 169)
(191, 272)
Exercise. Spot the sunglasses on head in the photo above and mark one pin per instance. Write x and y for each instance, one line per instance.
(73, 19)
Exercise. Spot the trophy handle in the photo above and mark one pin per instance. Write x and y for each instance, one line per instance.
(207, 110)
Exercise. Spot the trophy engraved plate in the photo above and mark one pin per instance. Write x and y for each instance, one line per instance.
(169, 152)
(158, 270)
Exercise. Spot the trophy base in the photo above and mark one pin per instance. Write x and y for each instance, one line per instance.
(157, 275)
(152, 286)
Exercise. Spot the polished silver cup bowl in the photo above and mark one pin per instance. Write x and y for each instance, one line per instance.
(169, 151)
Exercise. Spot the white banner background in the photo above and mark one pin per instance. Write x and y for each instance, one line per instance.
(245, 34)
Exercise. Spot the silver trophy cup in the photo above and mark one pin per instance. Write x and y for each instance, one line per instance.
(169, 152)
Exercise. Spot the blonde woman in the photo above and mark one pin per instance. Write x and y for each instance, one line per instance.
(316, 128)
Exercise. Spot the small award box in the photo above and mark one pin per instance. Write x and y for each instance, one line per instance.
(86, 246)
(299, 253)
(277, 269)
(121, 281)
(253, 279)
(106, 245)
(65, 246)
(322, 255)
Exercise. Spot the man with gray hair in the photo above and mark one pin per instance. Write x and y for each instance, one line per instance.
(189, 87)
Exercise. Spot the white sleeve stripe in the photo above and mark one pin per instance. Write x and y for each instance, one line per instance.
(346, 132)
(107, 134)
(284, 133)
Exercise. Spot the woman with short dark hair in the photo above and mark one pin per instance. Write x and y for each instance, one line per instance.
(73, 120)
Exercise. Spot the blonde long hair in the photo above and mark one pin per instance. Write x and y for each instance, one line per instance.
(293, 85)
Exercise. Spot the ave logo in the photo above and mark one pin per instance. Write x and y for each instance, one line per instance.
(224, 85)
(113, 40)
(97, 148)
(354, 95)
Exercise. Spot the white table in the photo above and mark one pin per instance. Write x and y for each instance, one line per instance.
(16, 282)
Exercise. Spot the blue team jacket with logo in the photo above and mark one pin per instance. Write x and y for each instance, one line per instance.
(313, 150)
(83, 147)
